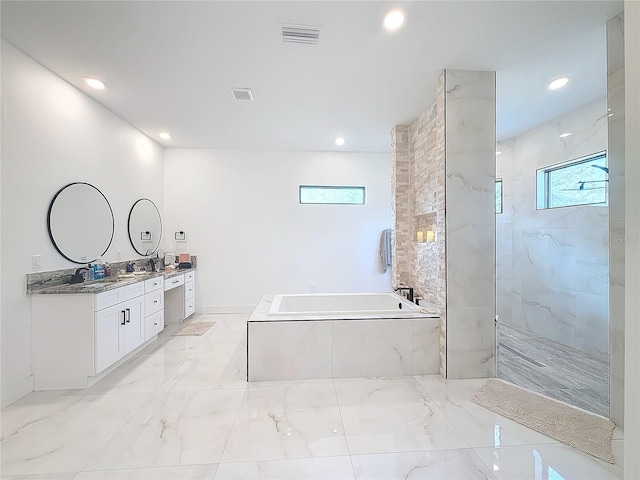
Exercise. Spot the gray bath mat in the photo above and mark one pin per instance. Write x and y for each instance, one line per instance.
(584, 431)
(195, 329)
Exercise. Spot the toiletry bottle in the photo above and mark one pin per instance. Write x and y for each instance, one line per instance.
(98, 269)
(107, 270)
(89, 274)
(99, 272)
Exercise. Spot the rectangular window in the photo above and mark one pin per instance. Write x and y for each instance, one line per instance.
(579, 182)
(325, 194)
(498, 195)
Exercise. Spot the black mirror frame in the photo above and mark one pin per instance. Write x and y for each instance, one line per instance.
(53, 200)
(129, 227)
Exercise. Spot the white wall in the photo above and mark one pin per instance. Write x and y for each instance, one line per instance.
(632, 253)
(241, 214)
(552, 264)
(53, 135)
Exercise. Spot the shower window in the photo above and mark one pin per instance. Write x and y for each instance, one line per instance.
(332, 194)
(582, 181)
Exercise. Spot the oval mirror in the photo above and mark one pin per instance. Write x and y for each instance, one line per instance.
(80, 222)
(145, 227)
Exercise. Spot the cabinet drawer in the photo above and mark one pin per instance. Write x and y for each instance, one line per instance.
(109, 298)
(189, 276)
(189, 290)
(153, 284)
(132, 291)
(153, 302)
(154, 324)
(189, 307)
(173, 282)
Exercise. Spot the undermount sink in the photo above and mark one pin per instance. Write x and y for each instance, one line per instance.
(132, 274)
(89, 285)
(95, 283)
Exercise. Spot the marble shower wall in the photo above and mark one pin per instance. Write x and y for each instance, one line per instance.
(616, 158)
(552, 265)
(458, 164)
(470, 140)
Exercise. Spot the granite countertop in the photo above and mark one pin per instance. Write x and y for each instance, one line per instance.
(109, 283)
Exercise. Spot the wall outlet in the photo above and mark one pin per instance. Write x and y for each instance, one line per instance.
(313, 287)
(118, 254)
(36, 261)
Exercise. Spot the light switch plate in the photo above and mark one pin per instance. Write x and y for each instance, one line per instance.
(36, 261)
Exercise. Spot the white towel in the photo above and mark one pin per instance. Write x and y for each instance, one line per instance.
(385, 249)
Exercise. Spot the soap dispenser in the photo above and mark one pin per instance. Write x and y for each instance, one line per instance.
(89, 274)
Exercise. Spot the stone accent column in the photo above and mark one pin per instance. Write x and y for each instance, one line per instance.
(401, 205)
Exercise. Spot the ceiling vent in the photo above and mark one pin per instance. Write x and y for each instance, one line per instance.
(243, 94)
(300, 34)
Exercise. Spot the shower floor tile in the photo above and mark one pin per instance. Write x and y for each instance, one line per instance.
(553, 369)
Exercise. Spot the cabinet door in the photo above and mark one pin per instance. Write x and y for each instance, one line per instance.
(109, 339)
(134, 326)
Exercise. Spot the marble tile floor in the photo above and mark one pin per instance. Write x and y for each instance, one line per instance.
(553, 369)
(182, 409)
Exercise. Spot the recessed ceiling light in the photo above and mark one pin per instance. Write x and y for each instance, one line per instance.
(164, 135)
(558, 83)
(393, 20)
(340, 141)
(565, 135)
(94, 83)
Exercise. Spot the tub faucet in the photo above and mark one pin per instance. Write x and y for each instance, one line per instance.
(409, 292)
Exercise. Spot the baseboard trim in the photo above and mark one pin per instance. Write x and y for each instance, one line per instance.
(16, 390)
(227, 309)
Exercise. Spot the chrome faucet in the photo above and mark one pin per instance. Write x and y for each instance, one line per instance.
(409, 290)
(78, 277)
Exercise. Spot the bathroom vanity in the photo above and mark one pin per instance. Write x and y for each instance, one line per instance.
(82, 332)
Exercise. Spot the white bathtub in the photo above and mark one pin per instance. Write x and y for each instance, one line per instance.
(345, 305)
(298, 337)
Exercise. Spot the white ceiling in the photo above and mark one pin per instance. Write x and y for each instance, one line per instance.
(169, 66)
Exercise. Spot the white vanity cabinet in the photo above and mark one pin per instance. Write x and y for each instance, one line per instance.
(180, 298)
(189, 294)
(79, 338)
(154, 306)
